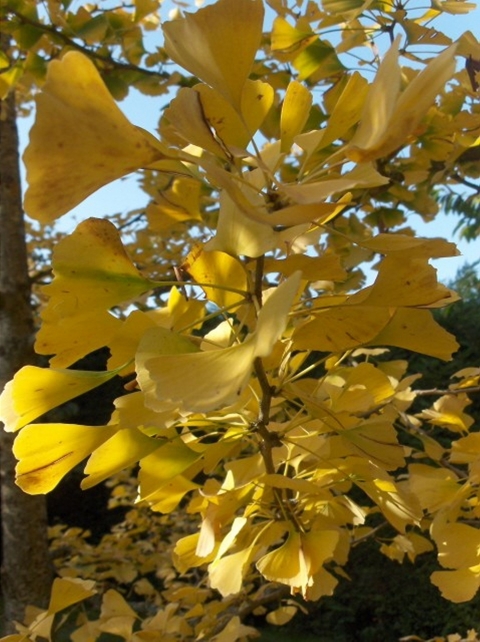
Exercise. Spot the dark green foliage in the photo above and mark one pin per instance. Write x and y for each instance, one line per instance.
(465, 207)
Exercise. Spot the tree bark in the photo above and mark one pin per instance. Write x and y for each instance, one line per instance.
(26, 572)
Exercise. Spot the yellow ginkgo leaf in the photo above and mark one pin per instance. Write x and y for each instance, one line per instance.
(125, 448)
(341, 328)
(186, 116)
(282, 615)
(377, 441)
(285, 564)
(362, 176)
(448, 412)
(218, 44)
(458, 544)
(326, 267)
(435, 488)
(47, 452)
(92, 273)
(399, 507)
(34, 391)
(203, 117)
(226, 574)
(69, 590)
(239, 234)
(347, 110)
(90, 142)
(295, 111)
(288, 39)
(220, 269)
(417, 330)
(389, 116)
(170, 368)
(114, 605)
(171, 459)
(457, 586)
(234, 631)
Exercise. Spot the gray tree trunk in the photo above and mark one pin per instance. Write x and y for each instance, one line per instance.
(26, 572)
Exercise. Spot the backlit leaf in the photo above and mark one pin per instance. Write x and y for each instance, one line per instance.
(92, 273)
(295, 112)
(90, 142)
(171, 369)
(218, 44)
(34, 391)
(220, 269)
(416, 330)
(47, 452)
(390, 116)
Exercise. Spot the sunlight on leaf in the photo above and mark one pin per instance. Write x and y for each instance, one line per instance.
(90, 142)
(170, 369)
(34, 391)
(92, 273)
(46, 452)
(218, 44)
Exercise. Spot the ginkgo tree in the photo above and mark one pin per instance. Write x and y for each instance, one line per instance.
(257, 393)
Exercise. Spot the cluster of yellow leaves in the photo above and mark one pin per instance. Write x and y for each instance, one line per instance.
(259, 372)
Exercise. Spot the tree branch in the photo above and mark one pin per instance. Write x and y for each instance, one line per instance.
(91, 53)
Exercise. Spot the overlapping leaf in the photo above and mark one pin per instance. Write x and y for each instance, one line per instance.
(90, 142)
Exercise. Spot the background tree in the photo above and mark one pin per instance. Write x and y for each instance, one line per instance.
(26, 567)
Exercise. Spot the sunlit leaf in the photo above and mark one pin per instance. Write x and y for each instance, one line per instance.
(295, 112)
(125, 448)
(341, 328)
(90, 142)
(457, 586)
(92, 273)
(218, 44)
(218, 268)
(390, 116)
(170, 368)
(34, 391)
(46, 452)
(416, 330)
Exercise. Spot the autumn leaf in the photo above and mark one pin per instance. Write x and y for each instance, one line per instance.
(390, 116)
(46, 452)
(21, 404)
(218, 44)
(92, 273)
(90, 142)
(171, 368)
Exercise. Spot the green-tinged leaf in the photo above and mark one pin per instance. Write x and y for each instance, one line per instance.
(318, 59)
(92, 273)
(125, 448)
(166, 463)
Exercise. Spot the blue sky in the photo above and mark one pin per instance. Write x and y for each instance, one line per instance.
(125, 195)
